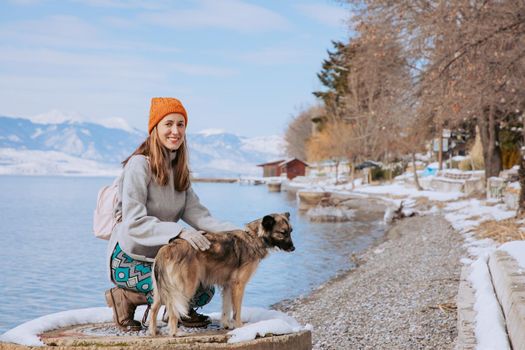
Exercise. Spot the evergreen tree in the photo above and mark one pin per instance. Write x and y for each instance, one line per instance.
(334, 77)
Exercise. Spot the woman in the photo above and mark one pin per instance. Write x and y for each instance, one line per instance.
(155, 192)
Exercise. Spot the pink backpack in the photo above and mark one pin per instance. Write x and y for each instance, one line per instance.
(105, 218)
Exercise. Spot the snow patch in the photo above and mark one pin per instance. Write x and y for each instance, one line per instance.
(116, 123)
(57, 117)
(516, 249)
(210, 132)
(274, 145)
(330, 214)
(27, 333)
(29, 162)
(490, 323)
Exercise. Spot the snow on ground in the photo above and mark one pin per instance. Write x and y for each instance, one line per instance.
(330, 214)
(398, 189)
(258, 321)
(261, 322)
(32, 162)
(27, 333)
(490, 324)
(516, 249)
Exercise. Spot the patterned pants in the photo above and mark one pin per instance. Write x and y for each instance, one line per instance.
(135, 275)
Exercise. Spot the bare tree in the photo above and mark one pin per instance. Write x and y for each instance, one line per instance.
(470, 56)
(334, 142)
(300, 130)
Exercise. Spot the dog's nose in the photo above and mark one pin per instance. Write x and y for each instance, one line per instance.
(292, 248)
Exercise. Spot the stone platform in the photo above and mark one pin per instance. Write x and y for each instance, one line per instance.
(91, 336)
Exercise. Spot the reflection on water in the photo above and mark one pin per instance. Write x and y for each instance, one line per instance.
(52, 262)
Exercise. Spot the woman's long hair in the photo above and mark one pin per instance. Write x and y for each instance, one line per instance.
(159, 162)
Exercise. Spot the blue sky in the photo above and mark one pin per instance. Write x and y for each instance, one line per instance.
(242, 66)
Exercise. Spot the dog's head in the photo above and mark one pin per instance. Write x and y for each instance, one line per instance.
(275, 230)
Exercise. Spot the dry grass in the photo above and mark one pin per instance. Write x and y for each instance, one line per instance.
(501, 231)
(427, 203)
(445, 307)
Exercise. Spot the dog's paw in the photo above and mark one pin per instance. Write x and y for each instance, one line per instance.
(179, 333)
(153, 332)
(227, 324)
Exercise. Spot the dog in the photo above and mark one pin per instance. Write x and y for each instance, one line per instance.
(230, 261)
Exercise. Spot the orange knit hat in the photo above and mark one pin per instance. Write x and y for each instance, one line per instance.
(161, 107)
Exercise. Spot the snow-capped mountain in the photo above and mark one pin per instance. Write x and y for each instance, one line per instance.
(53, 144)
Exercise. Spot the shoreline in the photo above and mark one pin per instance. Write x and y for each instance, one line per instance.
(401, 294)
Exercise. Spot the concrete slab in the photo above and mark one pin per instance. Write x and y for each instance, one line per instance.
(309, 199)
(509, 284)
(442, 184)
(86, 337)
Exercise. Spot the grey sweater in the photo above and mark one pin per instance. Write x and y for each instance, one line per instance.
(150, 212)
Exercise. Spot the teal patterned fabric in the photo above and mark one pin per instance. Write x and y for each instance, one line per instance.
(135, 275)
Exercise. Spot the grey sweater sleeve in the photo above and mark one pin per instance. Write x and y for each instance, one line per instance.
(142, 230)
(198, 217)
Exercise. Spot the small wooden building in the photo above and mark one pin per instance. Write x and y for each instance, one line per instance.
(291, 167)
(271, 169)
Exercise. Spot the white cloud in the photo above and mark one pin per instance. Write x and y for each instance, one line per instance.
(125, 4)
(225, 14)
(25, 2)
(71, 32)
(51, 31)
(334, 16)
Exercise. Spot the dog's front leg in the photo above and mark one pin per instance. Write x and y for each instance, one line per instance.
(226, 307)
(237, 294)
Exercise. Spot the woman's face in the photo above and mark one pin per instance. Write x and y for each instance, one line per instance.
(171, 130)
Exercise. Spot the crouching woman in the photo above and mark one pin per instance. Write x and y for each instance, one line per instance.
(154, 194)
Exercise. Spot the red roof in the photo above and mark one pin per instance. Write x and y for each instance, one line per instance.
(271, 163)
(284, 162)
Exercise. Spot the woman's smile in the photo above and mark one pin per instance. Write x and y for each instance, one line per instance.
(171, 130)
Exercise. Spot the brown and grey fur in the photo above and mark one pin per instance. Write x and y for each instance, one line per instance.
(229, 263)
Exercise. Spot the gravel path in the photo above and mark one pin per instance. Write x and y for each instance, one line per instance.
(392, 300)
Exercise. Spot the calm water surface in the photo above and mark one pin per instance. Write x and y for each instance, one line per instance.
(52, 262)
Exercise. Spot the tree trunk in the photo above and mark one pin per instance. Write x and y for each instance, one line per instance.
(440, 151)
(352, 170)
(488, 131)
(521, 176)
(416, 178)
(336, 172)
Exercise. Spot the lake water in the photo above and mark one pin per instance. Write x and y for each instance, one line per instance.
(52, 262)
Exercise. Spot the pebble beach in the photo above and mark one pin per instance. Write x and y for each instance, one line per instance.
(402, 295)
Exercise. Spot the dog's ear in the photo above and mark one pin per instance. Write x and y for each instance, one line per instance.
(268, 222)
(287, 214)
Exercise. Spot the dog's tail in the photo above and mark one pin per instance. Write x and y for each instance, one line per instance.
(170, 290)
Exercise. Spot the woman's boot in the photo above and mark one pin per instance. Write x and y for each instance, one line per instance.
(124, 302)
(194, 319)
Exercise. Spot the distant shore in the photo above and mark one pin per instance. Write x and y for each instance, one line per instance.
(214, 180)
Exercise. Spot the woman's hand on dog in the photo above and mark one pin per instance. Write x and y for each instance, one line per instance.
(195, 238)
